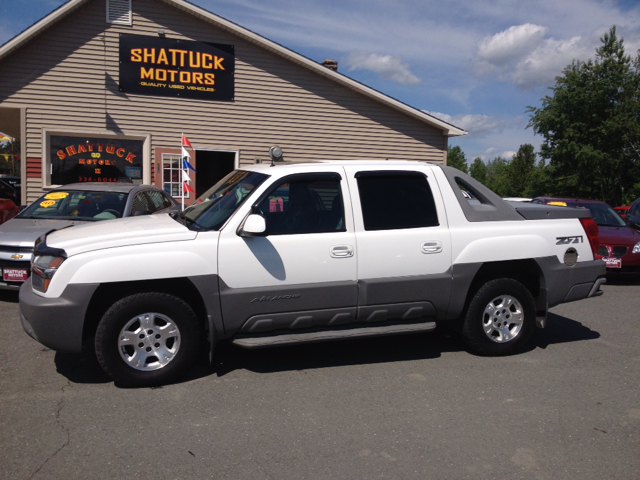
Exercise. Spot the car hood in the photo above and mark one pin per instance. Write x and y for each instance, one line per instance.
(23, 232)
(618, 236)
(120, 233)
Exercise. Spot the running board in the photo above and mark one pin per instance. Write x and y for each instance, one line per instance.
(330, 335)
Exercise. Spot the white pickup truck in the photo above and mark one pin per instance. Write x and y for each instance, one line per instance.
(273, 255)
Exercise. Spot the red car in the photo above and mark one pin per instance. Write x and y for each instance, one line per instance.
(8, 210)
(619, 243)
(622, 211)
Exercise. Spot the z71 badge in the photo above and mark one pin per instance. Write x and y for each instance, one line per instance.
(568, 240)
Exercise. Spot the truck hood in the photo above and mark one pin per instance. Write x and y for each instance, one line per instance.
(120, 233)
(23, 232)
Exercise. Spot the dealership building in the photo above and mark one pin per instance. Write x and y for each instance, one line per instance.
(102, 90)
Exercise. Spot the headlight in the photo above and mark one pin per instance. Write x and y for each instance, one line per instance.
(636, 248)
(43, 268)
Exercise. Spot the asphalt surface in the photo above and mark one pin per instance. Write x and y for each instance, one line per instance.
(400, 408)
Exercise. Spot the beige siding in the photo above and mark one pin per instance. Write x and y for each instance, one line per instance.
(68, 80)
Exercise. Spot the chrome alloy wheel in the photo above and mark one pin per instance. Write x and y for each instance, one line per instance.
(149, 341)
(503, 319)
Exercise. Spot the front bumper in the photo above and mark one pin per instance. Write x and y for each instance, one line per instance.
(56, 323)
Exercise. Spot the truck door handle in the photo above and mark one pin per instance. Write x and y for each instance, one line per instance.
(341, 251)
(432, 246)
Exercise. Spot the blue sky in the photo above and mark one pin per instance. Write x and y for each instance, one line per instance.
(477, 64)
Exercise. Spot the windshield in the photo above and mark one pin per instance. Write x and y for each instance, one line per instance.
(604, 215)
(77, 205)
(215, 206)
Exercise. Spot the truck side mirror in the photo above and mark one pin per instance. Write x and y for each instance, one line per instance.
(254, 226)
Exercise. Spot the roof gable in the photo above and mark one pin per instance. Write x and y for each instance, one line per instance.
(252, 37)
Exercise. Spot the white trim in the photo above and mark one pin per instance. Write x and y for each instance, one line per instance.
(447, 129)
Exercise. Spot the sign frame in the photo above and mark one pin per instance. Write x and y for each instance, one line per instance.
(170, 67)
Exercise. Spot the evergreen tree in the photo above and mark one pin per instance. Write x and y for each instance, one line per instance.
(591, 125)
(456, 158)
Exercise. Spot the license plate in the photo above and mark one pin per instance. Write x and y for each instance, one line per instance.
(612, 262)
(14, 274)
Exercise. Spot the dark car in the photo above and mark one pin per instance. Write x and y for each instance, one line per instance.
(16, 183)
(7, 192)
(67, 206)
(633, 215)
(619, 243)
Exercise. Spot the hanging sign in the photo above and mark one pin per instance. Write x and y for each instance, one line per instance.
(87, 159)
(176, 68)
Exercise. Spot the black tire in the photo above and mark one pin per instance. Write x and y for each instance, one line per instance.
(154, 355)
(500, 319)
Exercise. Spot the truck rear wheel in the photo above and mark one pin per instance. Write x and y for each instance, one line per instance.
(500, 318)
(147, 339)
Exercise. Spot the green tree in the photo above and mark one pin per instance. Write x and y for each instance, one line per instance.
(591, 125)
(520, 170)
(478, 170)
(456, 158)
(498, 177)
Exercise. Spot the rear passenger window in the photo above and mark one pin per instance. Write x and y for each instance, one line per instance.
(304, 204)
(395, 200)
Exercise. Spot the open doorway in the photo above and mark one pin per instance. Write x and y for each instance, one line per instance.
(212, 165)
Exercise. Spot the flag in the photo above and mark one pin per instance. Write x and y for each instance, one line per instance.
(185, 153)
(185, 176)
(186, 142)
(4, 137)
(186, 165)
(187, 188)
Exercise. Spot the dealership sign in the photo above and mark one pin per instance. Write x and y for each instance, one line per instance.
(87, 159)
(176, 68)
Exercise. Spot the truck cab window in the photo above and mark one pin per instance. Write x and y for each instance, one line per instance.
(396, 200)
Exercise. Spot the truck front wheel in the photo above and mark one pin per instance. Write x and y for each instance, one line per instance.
(147, 339)
(500, 318)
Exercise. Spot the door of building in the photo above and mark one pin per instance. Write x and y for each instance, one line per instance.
(211, 166)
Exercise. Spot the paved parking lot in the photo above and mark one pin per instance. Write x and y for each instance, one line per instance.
(403, 407)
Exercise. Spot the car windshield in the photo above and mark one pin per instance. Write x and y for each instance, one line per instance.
(77, 205)
(212, 209)
(604, 215)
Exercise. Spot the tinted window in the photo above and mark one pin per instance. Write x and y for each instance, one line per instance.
(400, 200)
(158, 200)
(212, 209)
(304, 204)
(604, 215)
(141, 203)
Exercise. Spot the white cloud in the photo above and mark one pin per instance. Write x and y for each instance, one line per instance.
(520, 55)
(479, 125)
(542, 65)
(508, 154)
(511, 44)
(387, 66)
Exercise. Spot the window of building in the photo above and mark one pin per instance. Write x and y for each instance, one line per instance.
(172, 175)
(305, 204)
(394, 200)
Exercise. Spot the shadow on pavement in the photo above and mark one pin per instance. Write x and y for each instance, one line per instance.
(561, 329)
(228, 357)
(620, 279)
(80, 367)
(8, 296)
